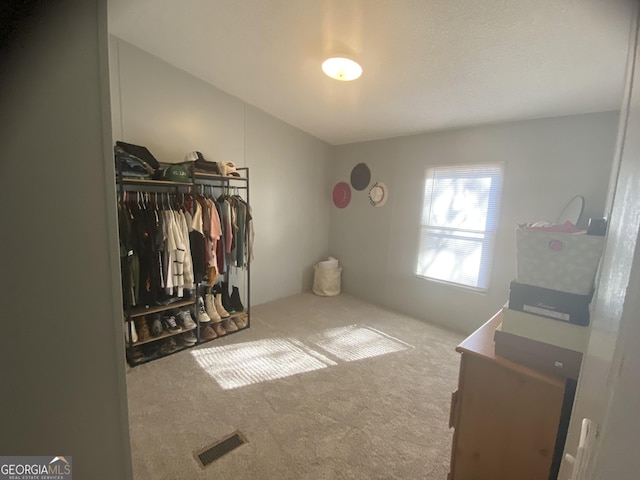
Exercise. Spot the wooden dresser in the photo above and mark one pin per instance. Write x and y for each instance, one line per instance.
(510, 420)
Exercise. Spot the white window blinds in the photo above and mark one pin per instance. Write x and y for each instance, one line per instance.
(458, 225)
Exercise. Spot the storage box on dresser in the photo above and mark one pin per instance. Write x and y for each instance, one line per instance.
(509, 419)
(566, 262)
(567, 307)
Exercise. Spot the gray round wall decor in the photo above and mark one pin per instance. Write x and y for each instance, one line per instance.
(360, 176)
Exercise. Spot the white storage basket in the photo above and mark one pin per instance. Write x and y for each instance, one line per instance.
(566, 262)
(326, 281)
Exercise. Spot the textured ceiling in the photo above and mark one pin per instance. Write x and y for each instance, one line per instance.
(428, 64)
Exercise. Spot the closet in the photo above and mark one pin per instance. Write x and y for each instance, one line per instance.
(185, 250)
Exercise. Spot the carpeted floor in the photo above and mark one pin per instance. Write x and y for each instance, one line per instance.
(321, 387)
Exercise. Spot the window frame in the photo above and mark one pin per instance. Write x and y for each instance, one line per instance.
(489, 233)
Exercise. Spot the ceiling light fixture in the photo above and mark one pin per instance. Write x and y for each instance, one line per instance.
(340, 68)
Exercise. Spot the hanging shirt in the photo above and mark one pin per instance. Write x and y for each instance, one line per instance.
(183, 231)
(196, 242)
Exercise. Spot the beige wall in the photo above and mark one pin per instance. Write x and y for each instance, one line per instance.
(63, 376)
(546, 162)
(172, 113)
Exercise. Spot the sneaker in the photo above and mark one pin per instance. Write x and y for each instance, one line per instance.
(187, 339)
(142, 329)
(229, 325)
(208, 333)
(156, 325)
(184, 317)
(201, 313)
(170, 324)
(219, 329)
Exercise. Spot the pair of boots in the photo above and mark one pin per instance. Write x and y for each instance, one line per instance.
(218, 314)
(214, 308)
(232, 303)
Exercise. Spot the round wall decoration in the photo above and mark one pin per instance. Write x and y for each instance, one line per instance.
(360, 176)
(341, 194)
(378, 194)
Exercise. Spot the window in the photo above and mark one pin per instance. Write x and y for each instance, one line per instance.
(459, 218)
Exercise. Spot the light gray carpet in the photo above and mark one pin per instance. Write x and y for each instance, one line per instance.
(322, 387)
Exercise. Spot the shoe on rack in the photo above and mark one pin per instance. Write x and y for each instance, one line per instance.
(169, 322)
(201, 313)
(168, 346)
(219, 308)
(208, 333)
(142, 329)
(185, 320)
(187, 339)
(138, 355)
(156, 325)
(241, 321)
(235, 300)
(165, 299)
(223, 288)
(229, 325)
(219, 329)
(151, 350)
(134, 334)
(210, 306)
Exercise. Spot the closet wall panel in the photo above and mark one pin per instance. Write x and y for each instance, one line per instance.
(172, 112)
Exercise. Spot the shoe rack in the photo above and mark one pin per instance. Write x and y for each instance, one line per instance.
(150, 347)
(145, 348)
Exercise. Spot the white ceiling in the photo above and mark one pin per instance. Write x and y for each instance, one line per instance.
(428, 64)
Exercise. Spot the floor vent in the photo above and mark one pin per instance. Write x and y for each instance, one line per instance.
(212, 453)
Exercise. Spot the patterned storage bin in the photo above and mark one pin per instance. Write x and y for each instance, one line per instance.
(566, 262)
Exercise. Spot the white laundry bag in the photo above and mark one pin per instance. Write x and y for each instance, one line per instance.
(326, 278)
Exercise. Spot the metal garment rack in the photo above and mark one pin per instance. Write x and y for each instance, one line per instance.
(151, 187)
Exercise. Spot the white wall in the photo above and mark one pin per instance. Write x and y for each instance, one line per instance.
(609, 385)
(172, 113)
(62, 377)
(547, 162)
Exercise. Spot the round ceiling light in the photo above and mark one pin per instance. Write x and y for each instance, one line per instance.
(342, 69)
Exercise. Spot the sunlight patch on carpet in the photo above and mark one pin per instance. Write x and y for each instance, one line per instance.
(355, 342)
(233, 366)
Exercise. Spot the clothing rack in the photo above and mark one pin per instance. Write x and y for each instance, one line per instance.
(159, 194)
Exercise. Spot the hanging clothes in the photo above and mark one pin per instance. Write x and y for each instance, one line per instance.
(155, 250)
(128, 257)
(196, 240)
(215, 233)
(178, 262)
